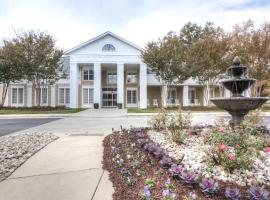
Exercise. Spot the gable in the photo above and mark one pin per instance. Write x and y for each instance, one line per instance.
(107, 41)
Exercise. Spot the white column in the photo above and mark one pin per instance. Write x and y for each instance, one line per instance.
(120, 83)
(74, 85)
(143, 85)
(52, 95)
(185, 96)
(5, 104)
(29, 95)
(97, 83)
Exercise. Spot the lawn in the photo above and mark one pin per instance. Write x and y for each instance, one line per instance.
(156, 110)
(40, 110)
(194, 109)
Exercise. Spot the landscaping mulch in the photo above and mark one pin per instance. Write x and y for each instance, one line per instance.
(125, 141)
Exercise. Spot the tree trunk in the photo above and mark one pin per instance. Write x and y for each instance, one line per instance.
(207, 94)
(164, 95)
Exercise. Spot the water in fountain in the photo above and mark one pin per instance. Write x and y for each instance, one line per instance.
(238, 105)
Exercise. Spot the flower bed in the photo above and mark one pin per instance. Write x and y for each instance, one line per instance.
(141, 169)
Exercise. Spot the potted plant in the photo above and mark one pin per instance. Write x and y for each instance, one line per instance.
(96, 105)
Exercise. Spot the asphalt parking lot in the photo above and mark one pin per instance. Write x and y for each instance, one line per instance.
(8, 126)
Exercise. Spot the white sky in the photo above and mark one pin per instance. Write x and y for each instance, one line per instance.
(72, 22)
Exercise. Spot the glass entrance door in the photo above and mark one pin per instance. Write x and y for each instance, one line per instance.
(109, 97)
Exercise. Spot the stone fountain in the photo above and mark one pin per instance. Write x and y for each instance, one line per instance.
(238, 105)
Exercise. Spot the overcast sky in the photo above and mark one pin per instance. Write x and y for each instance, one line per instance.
(139, 21)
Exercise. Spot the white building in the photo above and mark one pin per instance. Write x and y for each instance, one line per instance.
(106, 70)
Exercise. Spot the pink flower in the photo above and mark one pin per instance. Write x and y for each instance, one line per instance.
(258, 162)
(231, 156)
(223, 147)
(237, 145)
(222, 129)
(267, 150)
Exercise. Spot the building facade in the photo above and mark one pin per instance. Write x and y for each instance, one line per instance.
(108, 71)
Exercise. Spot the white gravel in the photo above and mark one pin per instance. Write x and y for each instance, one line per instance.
(16, 149)
(195, 159)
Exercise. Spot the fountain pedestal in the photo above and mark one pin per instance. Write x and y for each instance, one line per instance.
(237, 105)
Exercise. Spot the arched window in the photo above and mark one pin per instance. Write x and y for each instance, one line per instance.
(108, 47)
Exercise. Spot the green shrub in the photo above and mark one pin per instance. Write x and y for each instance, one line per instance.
(235, 148)
(160, 121)
(178, 136)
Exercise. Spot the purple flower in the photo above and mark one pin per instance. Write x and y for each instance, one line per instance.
(209, 186)
(151, 148)
(166, 193)
(193, 196)
(159, 153)
(146, 191)
(232, 193)
(176, 170)
(166, 162)
(168, 181)
(142, 142)
(257, 193)
(139, 134)
(189, 177)
(122, 170)
(114, 149)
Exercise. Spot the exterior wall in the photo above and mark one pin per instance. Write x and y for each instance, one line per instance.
(179, 95)
(25, 95)
(154, 92)
(199, 93)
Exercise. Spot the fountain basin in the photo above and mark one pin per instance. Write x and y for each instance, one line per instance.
(238, 107)
(236, 71)
(238, 86)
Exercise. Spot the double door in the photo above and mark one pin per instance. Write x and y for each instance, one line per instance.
(109, 97)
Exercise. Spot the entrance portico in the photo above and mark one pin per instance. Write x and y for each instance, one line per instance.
(108, 71)
(112, 84)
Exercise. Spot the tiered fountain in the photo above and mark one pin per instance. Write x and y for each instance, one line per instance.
(238, 105)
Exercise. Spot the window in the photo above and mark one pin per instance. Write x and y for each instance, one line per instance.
(88, 74)
(88, 95)
(64, 95)
(42, 96)
(111, 78)
(192, 95)
(17, 96)
(108, 47)
(171, 95)
(132, 77)
(131, 97)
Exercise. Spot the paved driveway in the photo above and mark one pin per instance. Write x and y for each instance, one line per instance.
(8, 126)
(92, 122)
(100, 122)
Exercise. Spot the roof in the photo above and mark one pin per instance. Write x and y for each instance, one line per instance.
(99, 37)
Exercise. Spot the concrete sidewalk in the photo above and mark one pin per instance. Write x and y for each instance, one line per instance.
(68, 169)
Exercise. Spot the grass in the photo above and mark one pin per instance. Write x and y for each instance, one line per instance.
(192, 109)
(39, 110)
